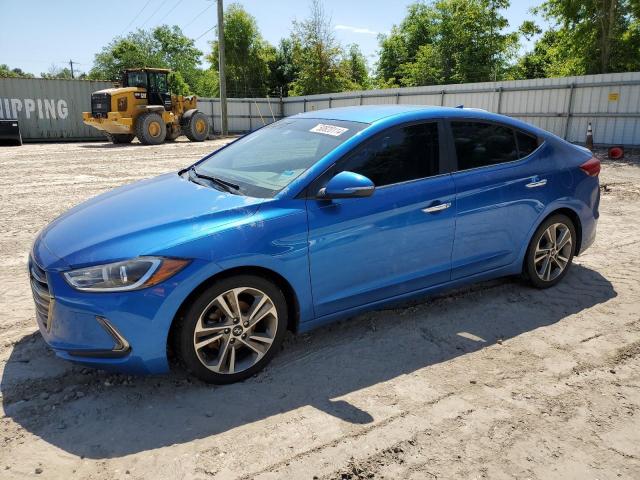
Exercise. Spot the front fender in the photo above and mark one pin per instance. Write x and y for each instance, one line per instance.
(275, 238)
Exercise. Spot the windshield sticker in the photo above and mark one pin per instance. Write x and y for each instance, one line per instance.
(329, 130)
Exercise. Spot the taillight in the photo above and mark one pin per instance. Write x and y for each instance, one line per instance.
(591, 167)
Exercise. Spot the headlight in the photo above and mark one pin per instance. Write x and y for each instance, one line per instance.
(141, 272)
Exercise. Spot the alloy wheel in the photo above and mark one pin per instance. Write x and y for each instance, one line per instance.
(235, 330)
(553, 252)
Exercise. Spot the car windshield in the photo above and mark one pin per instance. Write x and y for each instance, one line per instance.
(267, 160)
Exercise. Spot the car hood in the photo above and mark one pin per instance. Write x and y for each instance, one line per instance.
(142, 218)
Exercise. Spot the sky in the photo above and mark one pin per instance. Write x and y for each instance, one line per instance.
(38, 33)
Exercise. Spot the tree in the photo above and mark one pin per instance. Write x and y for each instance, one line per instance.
(136, 50)
(318, 55)
(548, 58)
(401, 46)
(248, 55)
(448, 41)
(6, 72)
(592, 36)
(425, 69)
(162, 47)
(283, 68)
(56, 72)
(355, 70)
(178, 52)
(208, 83)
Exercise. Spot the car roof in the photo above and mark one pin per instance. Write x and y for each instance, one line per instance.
(374, 113)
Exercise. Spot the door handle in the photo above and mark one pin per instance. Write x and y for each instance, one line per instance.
(437, 208)
(537, 183)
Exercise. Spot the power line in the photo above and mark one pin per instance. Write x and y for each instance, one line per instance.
(136, 17)
(171, 10)
(154, 13)
(197, 17)
(204, 34)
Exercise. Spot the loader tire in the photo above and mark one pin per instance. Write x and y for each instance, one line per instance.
(197, 128)
(151, 129)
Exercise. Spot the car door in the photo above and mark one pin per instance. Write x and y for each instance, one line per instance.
(362, 250)
(500, 187)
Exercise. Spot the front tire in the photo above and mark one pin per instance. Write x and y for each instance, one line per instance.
(550, 253)
(233, 329)
(197, 128)
(151, 129)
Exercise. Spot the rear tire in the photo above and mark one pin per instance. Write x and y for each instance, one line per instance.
(233, 329)
(151, 129)
(120, 138)
(197, 128)
(550, 253)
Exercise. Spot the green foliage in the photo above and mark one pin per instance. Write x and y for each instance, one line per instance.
(208, 83)
(438, 41)
(248, 56)
(548, 58)
(56, 72)
(590, 36)
(177, 84)
(425, 69)
(6, 72)
(283, 68)
(354, 69)
(448, 41)
(317, 55)
(162, 47)
(136, 50)
(401, 46)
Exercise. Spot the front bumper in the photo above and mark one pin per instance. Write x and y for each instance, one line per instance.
(117, 331)
(114, 123)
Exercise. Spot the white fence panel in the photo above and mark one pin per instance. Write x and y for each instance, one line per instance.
(564, 106)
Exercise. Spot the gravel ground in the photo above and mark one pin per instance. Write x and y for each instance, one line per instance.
(496, 380)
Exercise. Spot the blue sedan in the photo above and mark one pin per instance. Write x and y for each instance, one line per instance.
(311, 219)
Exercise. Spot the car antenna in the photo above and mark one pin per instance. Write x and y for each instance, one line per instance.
(460, 106)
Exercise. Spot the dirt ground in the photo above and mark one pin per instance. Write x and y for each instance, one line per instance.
(497, 380)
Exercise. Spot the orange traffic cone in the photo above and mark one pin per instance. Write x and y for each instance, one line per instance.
(590, 137)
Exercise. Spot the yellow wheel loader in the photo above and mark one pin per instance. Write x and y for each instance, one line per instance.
(143, 107)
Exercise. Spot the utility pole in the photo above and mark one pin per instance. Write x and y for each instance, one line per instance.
(221, 70)
(71, 65)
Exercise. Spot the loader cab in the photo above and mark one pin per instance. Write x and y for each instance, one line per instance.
(155, 81)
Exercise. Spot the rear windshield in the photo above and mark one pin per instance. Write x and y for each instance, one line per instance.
(267, 160)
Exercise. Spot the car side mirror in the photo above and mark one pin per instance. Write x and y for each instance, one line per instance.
(347, 185)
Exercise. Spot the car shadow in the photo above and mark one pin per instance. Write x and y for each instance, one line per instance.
(98, 415)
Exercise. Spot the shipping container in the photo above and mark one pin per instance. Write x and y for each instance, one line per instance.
(49, 110)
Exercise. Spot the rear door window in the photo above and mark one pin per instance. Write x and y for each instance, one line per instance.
(527, 144)
(480, 144)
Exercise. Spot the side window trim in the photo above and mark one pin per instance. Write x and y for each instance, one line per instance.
(454, 154)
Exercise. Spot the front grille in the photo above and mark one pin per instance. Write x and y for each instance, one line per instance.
(41, 294)
(100, 105)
